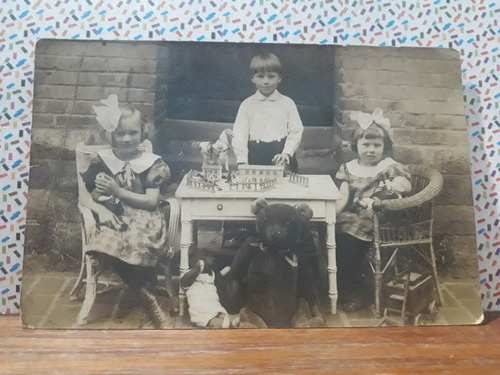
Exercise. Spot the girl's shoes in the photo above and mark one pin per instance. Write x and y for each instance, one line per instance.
(154, 310)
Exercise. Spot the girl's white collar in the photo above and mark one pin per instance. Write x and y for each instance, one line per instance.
(358, 170)
(139, 165)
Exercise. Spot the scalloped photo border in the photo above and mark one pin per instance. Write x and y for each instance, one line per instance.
(472, 27)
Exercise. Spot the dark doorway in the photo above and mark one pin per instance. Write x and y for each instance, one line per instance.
(208, 81)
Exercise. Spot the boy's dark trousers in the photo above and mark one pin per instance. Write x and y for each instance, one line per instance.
(262, 153)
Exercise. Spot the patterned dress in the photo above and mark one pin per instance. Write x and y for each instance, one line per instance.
(364, 183)
(142, 238)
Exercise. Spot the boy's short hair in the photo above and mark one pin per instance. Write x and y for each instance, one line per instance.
(265, 62)
(374, 131)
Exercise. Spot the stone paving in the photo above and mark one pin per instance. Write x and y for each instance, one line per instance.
(46, 304)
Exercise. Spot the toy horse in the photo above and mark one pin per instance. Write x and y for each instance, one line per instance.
(217, 153)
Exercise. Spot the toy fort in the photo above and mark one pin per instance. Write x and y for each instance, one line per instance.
(247, 178)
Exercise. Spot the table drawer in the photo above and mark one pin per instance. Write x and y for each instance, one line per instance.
(240, 208)
(213, 208)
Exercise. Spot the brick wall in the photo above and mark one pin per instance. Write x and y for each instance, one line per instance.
(420, 91)
(71, 76)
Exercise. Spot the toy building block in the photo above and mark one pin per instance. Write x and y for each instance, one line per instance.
(195, 180)
(296, 178)
(252, 186)
(261, 172)
(212, 172)
(201, 185)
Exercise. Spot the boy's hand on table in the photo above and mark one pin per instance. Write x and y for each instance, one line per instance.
(238, 165)
(279, 159)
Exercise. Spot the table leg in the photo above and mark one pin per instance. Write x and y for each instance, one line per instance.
(332, 266)
(186, 241)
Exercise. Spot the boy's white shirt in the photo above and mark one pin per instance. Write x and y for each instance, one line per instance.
(266, 119)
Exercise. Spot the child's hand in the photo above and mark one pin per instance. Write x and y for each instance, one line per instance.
(366, 203)
(107, 185)
(242, 164)
(281, 159)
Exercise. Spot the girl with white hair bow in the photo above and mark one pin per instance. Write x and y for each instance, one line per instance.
(372, 175)
(131, 232)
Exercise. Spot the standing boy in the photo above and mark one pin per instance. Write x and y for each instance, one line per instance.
(267, 129)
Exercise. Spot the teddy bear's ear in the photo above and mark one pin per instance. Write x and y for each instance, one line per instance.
(305, 211)
(258, 205)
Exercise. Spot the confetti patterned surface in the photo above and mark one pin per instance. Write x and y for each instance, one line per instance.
(470, 26)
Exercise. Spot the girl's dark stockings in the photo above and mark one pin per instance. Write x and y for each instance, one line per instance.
(352, 284)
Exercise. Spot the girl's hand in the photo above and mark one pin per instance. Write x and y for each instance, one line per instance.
(366, 203)
(280, 159)
(107, 185)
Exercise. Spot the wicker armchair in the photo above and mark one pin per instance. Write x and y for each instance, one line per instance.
(406, 222)
(93, 266)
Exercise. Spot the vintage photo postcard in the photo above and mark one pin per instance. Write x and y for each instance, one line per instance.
(186, 185)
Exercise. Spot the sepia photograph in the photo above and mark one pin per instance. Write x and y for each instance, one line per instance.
(199, 185)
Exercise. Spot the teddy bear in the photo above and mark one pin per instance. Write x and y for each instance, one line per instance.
(268, 281)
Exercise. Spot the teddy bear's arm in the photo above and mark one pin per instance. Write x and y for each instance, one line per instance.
(243, 257)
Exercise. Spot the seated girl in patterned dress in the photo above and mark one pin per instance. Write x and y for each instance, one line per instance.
(132, 237)
(373, 174)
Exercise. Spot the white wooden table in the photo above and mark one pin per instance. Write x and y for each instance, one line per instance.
(321, 195)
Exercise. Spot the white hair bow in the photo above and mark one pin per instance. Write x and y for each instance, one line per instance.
(366, 119)
(108, 116)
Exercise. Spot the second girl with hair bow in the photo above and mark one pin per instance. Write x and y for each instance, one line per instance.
(373, 174)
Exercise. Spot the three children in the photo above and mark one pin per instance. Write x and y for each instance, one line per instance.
(267, 130)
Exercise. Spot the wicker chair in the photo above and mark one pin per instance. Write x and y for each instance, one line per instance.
(406, 222)
(93, 266)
